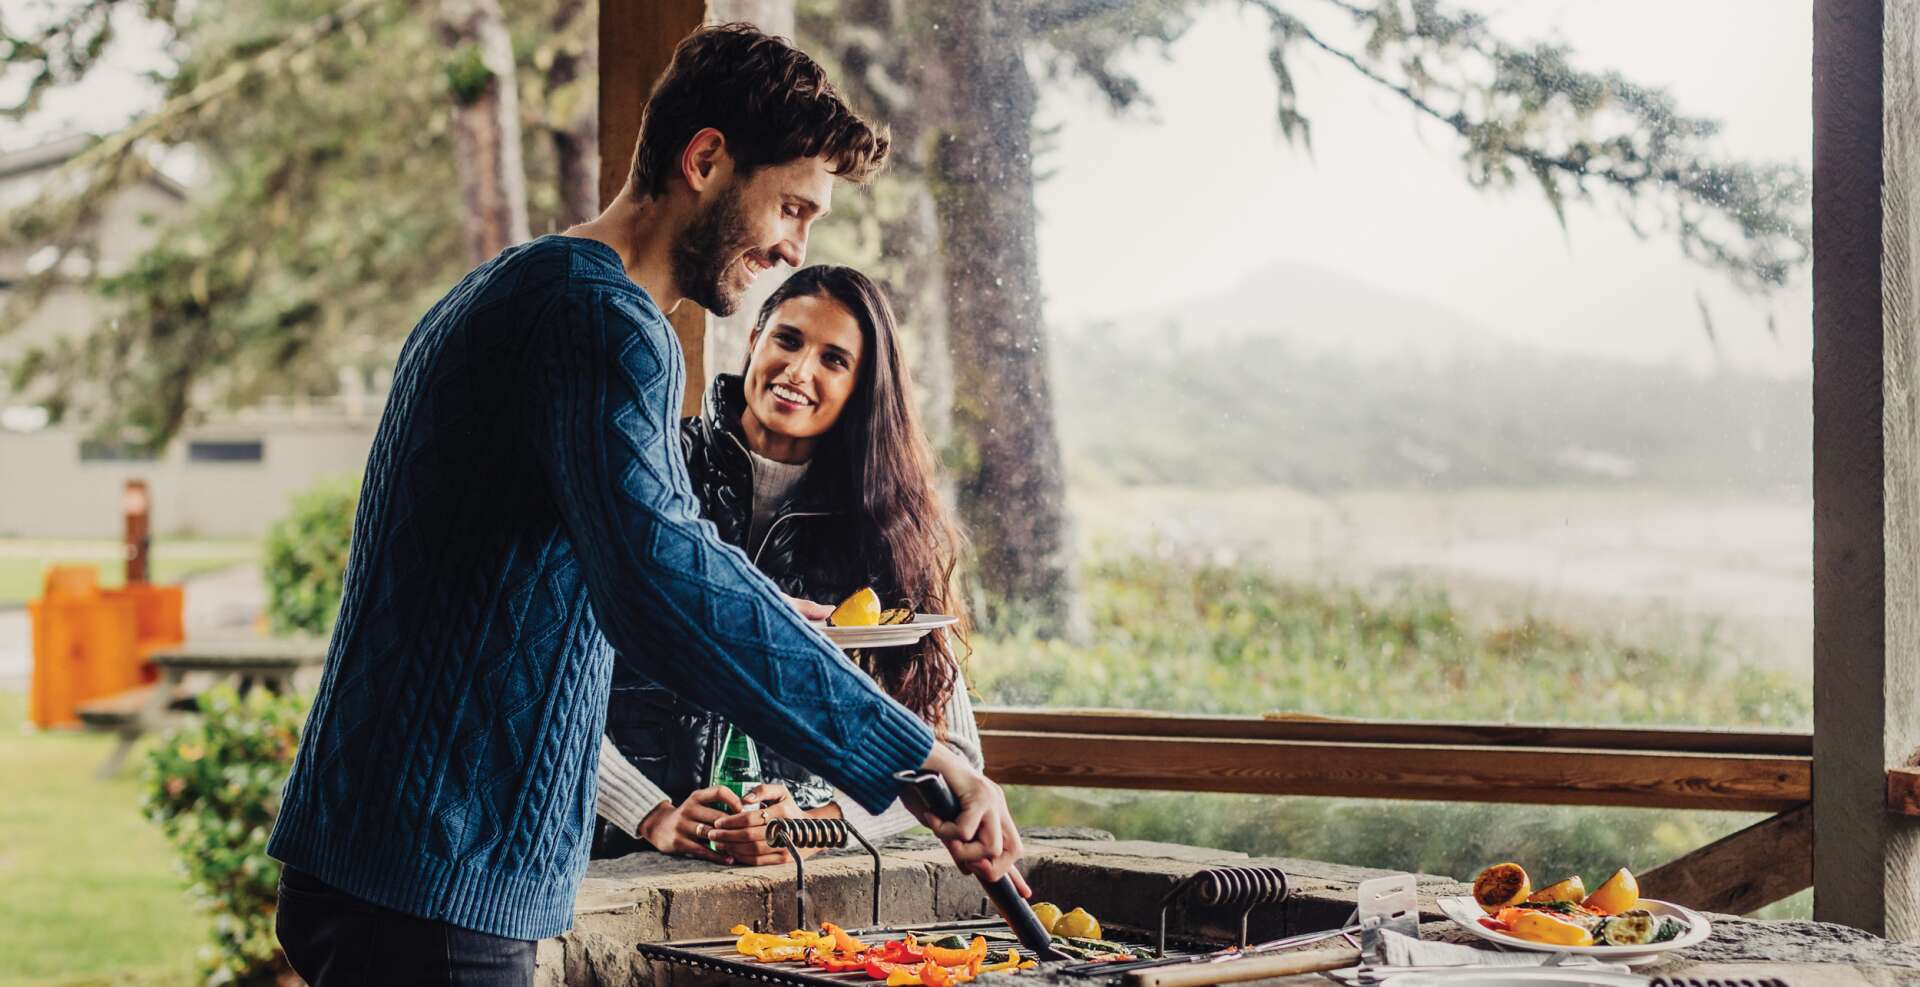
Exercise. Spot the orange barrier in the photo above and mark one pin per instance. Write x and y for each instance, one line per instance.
(89, 642)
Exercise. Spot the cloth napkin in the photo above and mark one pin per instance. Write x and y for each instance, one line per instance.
(1403, 950)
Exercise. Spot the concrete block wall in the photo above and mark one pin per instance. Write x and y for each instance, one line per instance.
(652, 898)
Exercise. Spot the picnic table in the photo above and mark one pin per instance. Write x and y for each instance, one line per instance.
(263, 663)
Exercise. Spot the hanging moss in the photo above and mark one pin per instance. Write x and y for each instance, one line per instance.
(467, 75)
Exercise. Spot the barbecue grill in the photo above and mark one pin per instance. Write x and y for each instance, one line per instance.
(715, 960)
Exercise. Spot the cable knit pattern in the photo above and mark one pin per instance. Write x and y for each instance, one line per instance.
(526, 503)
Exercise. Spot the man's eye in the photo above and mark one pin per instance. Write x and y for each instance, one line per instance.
(792, 211)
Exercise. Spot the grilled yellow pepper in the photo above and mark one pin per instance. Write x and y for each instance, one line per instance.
(1544, 928)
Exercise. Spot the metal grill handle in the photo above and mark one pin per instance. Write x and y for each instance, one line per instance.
(1249, 886)
(807, 833)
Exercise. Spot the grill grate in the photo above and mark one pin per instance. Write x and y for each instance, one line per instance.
(718, 956)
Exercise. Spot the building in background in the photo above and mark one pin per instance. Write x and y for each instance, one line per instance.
(227, 475)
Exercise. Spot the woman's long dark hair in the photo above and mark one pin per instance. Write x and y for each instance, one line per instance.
(877, 449)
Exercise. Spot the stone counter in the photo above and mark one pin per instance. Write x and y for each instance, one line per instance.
(648, 897)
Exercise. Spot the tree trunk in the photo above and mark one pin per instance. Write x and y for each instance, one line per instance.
(887, 78)
(486, 124)
(575, 129)
(726, 345)
(1011, 491)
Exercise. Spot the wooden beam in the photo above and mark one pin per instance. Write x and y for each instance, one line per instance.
(1903, 791)
(1866, 491)
(1742, 872)
(637, 38)
(1545, 776)
(1135, 723)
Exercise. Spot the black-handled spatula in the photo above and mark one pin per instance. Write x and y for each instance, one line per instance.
(931, 791)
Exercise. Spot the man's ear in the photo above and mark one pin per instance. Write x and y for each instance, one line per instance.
(704, 157)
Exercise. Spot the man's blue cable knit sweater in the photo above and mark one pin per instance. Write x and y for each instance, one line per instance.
(525, 512)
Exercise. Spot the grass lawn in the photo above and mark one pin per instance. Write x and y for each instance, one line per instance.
(90, 892)
(23, 563)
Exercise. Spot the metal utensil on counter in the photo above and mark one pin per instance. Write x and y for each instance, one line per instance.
(1245, 968)
(932, 792)
(1217, 956)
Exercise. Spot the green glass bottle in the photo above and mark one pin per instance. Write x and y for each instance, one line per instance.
(737, 767)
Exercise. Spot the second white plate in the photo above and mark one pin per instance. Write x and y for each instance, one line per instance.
(887, 635)
(1466, 913)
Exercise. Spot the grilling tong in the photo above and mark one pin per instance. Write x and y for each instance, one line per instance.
(932, 792)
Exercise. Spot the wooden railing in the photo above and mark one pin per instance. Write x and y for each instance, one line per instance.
(1648, 767)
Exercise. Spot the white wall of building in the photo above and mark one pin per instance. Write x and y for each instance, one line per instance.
(48, 491)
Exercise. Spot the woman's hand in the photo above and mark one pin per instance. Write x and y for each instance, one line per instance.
(684, 829)
(809, 610)
(743, 835)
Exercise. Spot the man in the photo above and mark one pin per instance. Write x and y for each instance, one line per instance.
(526, 512)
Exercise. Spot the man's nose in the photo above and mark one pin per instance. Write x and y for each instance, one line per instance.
(792, 251)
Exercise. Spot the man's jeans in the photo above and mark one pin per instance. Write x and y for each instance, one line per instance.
(333, 939)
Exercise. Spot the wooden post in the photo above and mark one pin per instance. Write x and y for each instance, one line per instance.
(136, 506)
(1866, 861)
(637, 38)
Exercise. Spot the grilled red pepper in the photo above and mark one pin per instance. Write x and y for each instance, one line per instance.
(881, 969)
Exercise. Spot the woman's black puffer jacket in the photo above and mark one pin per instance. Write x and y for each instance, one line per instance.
(814, 549)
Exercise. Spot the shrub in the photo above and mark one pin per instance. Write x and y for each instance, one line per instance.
(306, 558)
(215, 790)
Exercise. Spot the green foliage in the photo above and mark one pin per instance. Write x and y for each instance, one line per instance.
(1237, 639)
(1221, 639)
(306, 558)
(331, 215)
(467, 74)
(215, 790)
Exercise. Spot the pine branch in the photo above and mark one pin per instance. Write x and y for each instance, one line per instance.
(80, 186)
(1744, 220)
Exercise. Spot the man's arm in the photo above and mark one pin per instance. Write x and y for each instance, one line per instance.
(664, 589)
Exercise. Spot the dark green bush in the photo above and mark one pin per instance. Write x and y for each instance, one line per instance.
(215, 790)
(306, 558)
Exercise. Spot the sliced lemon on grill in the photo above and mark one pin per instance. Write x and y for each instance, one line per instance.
(862, 609)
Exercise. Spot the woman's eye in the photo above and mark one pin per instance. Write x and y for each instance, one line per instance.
(835, 360)
(787, 342)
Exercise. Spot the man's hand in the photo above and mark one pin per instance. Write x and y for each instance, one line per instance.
(685, 828)
(983, 838)
(809, 609)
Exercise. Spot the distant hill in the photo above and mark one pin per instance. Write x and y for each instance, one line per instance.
(1322, 382)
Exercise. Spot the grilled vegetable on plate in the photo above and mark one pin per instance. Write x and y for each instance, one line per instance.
(1613, 922)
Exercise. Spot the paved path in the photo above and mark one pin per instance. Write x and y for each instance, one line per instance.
(221, 602)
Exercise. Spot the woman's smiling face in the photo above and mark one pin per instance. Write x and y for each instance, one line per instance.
(804, 367)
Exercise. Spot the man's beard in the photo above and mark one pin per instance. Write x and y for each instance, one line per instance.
(706, 249)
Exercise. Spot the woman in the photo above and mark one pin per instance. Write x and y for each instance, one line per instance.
(811, 462)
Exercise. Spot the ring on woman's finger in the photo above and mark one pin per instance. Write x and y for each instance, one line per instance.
(701, 830)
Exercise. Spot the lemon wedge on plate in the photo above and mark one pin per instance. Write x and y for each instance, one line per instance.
(862, 609)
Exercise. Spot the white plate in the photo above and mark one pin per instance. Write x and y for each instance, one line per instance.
(1466, 913)
(887, 635)
(1510, 977)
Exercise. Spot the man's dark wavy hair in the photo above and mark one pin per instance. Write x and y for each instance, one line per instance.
(771, 101)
